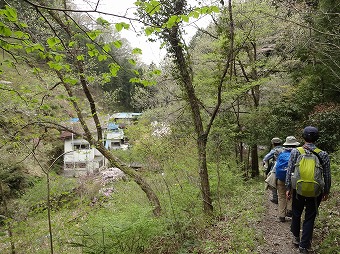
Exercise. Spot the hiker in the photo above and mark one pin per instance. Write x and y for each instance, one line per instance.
(285, 205)
(269, 161)
(295, 185)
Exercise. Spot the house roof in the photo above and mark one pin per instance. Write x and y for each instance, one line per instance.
(112, 126)
(125, 115)
(75, 125)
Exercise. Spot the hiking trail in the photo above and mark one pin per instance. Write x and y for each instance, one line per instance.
(276, 235)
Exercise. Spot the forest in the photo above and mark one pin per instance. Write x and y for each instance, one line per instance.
(260, 69)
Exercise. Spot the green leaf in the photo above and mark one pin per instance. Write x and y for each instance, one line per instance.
(11, 14)
(194, 14)
(152, 7)
(103, 22)
(185, 18)
(42, 55)
(173, 20)
(29, 50)
(122, 25)
(107, 48)
(102, 57)
(132, 61)
(143, 81)
(71, 81)
(39, 47)
(52, 42)
(215, 9)
(157, 72)
(36, 70)
(72, 44)
(134, 80)
(80, 58)
(72, 98)
(118, 44)
(19, 34)
(119, 27)
(94, 34)
(90, 46)
(4, 30)
(149, 30)
(137, 51)
(45, 107)
(90, 78)
(58, 58)
(204, 10)
(55, 66)
(91, 53)
(106, 77)
(23, 25)
(114, 68)
(67, 67)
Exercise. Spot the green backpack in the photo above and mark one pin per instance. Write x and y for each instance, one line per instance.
(307, 178)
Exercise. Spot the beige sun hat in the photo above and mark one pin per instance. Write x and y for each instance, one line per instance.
(276, 140)
(291, 141)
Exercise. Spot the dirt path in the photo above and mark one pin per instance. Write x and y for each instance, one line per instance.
(277, 235)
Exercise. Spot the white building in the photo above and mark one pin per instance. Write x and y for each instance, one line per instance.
(114, 137)
(80, 157)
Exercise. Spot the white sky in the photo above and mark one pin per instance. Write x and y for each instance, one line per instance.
(151, 51)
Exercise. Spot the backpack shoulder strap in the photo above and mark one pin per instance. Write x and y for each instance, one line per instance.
(301, 150)
(317, 150)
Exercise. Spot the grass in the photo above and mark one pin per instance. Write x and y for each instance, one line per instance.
(88, 222)
(327, 225)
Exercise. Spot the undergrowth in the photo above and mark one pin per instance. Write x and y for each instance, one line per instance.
(327, 225)
(84, 220)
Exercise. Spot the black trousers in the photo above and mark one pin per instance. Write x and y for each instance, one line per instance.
(310, 205)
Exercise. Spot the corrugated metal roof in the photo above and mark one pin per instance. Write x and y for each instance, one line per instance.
(125, 115)
(112, 126)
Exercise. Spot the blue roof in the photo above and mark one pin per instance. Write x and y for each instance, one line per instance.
(112, 126)
(74, 120)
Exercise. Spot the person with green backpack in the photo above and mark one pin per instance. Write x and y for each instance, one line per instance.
(308, 182)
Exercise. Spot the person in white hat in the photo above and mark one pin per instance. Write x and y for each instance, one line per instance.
(284, 205)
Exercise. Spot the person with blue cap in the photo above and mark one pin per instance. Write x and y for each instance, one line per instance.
(309, 203)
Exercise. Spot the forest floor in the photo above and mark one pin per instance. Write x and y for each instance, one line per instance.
(277, 236)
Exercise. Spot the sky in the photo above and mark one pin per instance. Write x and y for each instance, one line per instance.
(151, 50)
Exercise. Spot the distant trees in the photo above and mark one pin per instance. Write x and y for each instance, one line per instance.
(254, 79)
(311, 49)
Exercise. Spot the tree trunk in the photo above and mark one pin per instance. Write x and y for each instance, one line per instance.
(254, 161)
(152, 197)
(203, 170)
(186, 80)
